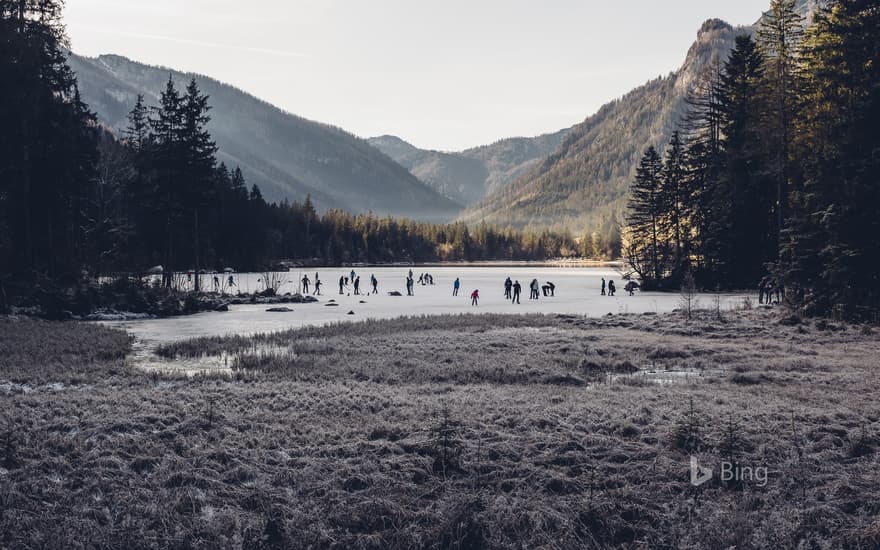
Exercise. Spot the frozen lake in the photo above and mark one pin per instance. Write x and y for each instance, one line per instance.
(577, 292)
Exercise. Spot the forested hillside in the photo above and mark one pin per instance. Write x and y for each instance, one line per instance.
(773, 181)
(287, 156)
(582, 185)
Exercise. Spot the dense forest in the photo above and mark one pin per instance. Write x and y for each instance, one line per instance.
(76, 199)
(774, 171)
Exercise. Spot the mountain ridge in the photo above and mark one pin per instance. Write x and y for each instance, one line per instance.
(469, 175)
(288, 156)
(582, 185)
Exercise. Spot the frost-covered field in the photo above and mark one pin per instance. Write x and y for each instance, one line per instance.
(490, 431)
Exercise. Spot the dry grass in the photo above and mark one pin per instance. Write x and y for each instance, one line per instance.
(453, 432)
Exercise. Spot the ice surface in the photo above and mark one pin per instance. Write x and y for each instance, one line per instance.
(577, 292)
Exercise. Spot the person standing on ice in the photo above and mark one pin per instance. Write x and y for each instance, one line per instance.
(475, 296)
(357, 285)
(375, 283)
(517, 288)
(342, 285)
(603, 286)
(318, 284)
(508, 285)
(455, 286)
(305, 283)
(533, 295)
(352, 275)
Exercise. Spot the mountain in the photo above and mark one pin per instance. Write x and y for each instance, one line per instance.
(286, 155)
(468, 176)
(582, 185)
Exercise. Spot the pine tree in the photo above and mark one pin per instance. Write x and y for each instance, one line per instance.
(676, 199)
(138, 129)
(197, 175)
(744, 207)
(166, 163)
(779, 36)
(644, 211)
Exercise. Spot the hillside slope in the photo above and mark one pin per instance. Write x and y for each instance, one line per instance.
(468, 176)
(286, 155)
(582, 184)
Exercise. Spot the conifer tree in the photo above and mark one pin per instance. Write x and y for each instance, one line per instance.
(644, 211)
(676, 199)
(47, 142)
(779, 36)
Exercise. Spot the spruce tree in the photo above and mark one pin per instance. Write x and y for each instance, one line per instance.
(779, 35)
(744, 204)
(676, 199)
(644, 210)
(47, 142)
(197, 174)
(138, 130)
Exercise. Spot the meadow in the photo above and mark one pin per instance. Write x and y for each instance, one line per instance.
(457, 431)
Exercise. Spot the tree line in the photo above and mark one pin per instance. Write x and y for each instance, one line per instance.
(76, 198)
(775, 170)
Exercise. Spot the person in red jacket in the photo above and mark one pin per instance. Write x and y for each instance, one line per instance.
(475, 295)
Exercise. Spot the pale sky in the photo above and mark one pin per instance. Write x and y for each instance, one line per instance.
(441, 74)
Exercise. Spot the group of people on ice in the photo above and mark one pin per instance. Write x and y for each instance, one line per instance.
(630, 288)
(513, 289)
(767, 288)
(355, 281)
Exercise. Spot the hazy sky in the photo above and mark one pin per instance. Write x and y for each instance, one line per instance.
(444, 74)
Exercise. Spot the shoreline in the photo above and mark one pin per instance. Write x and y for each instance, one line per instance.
(481, 263)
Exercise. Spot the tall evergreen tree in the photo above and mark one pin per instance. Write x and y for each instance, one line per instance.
(644, 211)
(197, 174)
(46, 144)
(167, 166)
(779, 35)
(744, 208)
(138, 130)
(676, 199)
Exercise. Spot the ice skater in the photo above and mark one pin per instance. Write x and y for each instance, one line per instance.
(375, 283)
(318, 284)
(611, 288)
(305, 283)
(342, 285)
(455, 286)
(517, 288)
(508, 285)
(409, 285)
(603, 286)
(475, 297)
(357, 285)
